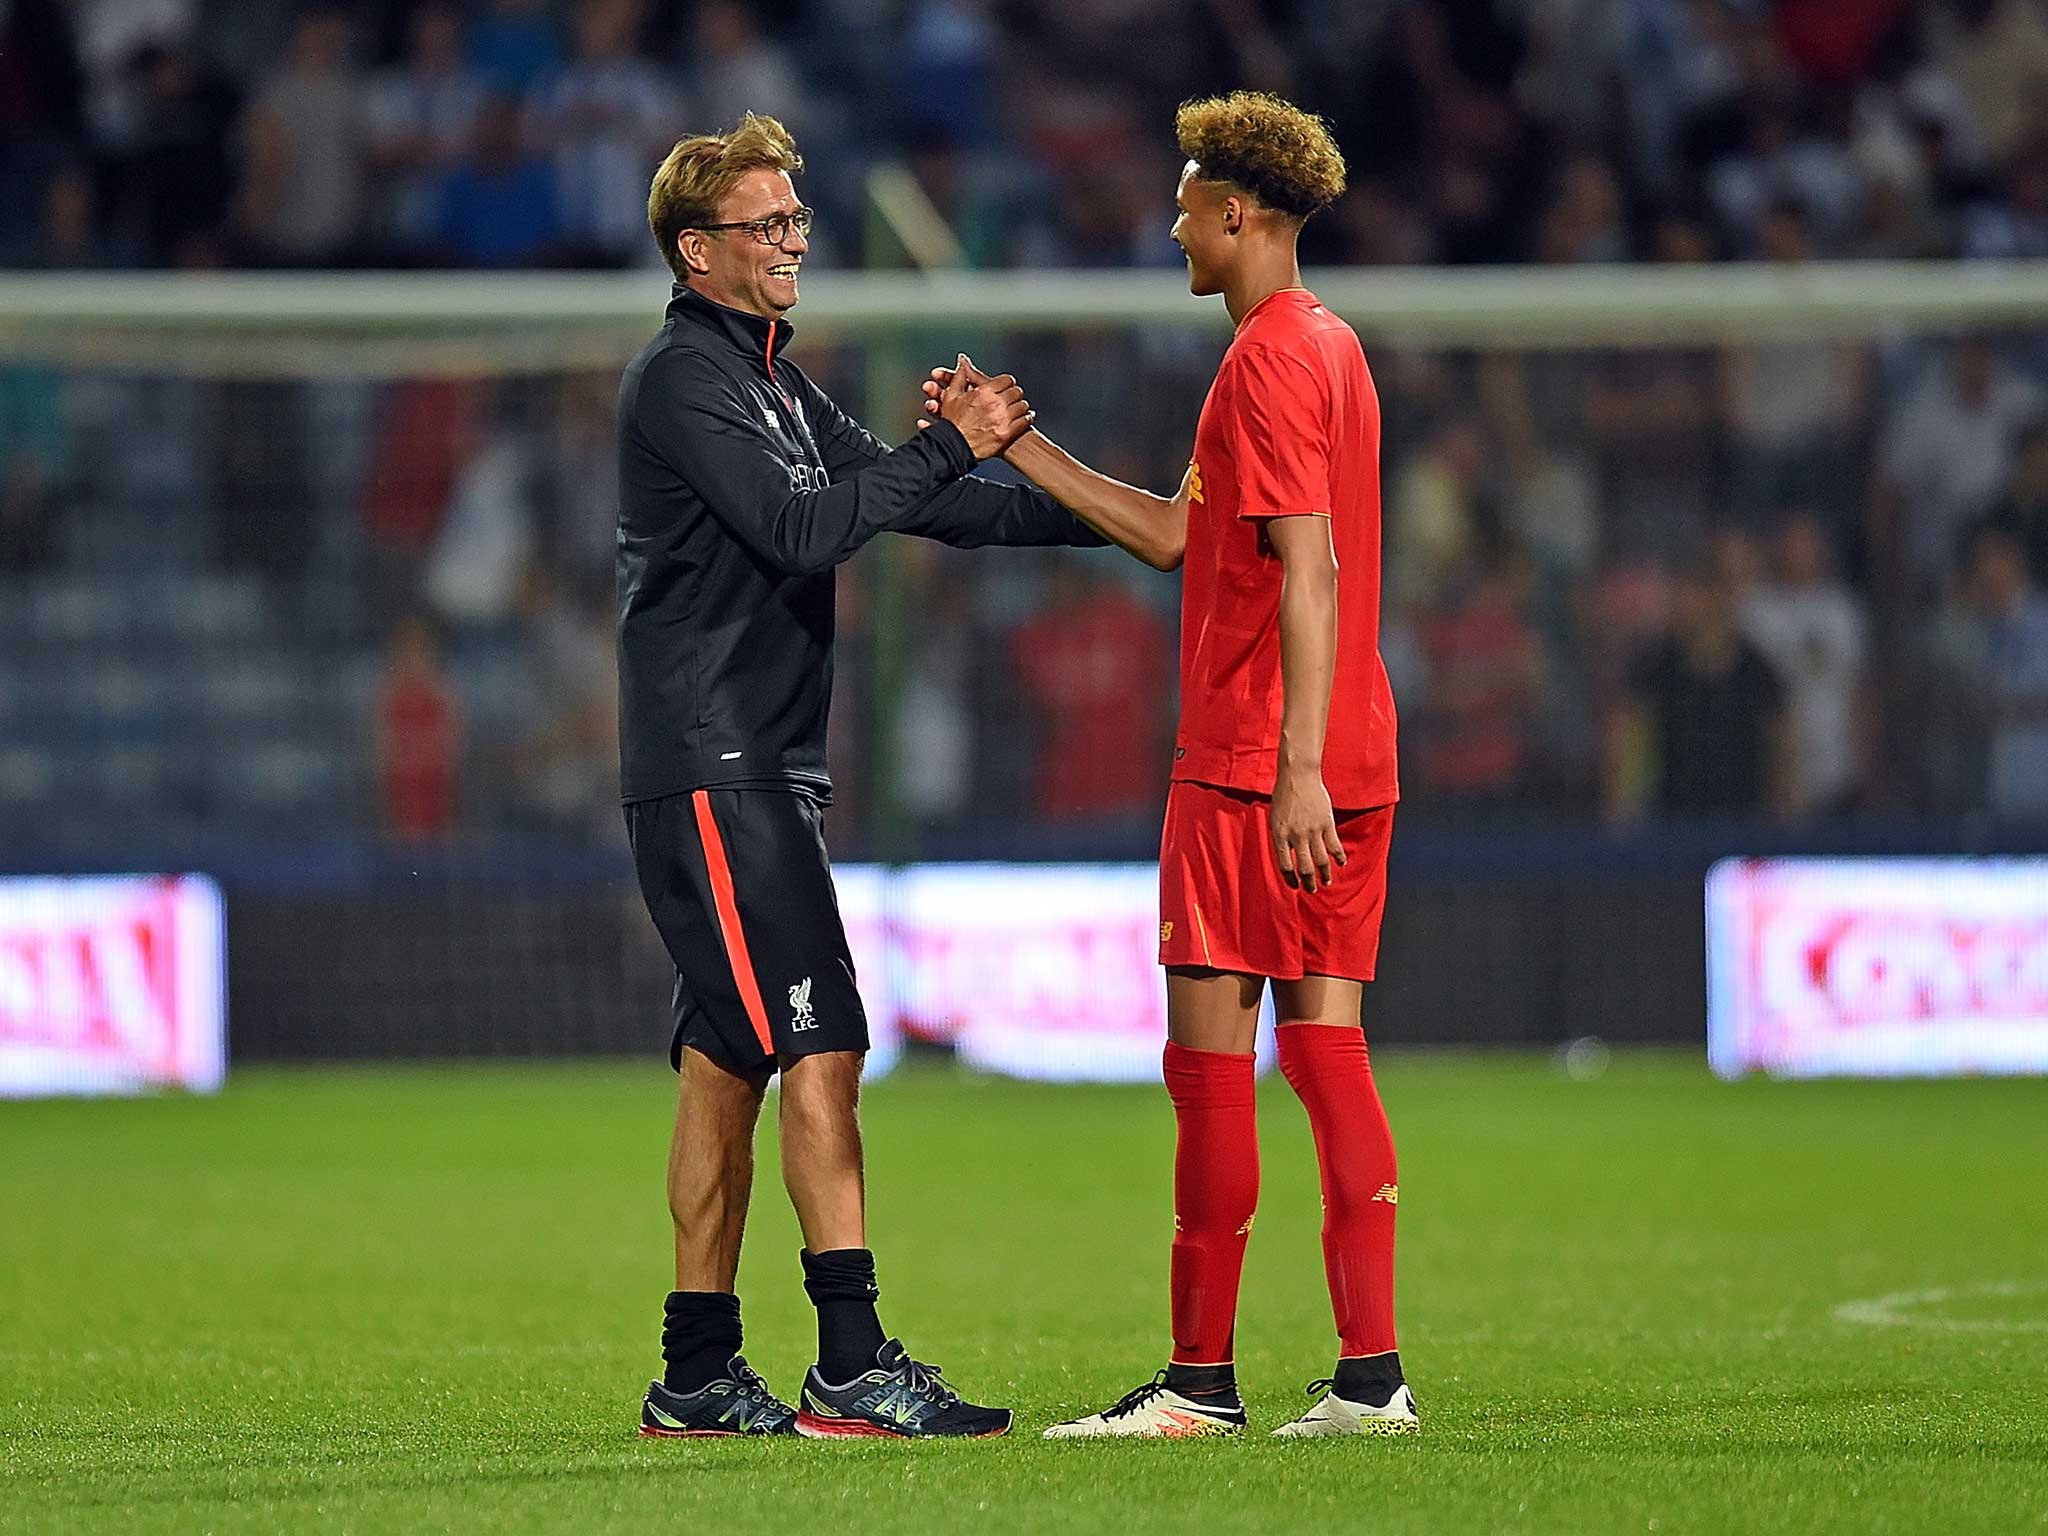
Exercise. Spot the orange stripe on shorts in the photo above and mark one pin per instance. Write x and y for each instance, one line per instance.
(729, 921)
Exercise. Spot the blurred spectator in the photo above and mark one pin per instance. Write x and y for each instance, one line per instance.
(426, 431)
(69, 237)
(1946, 453)
(514, 46)
(946, 72)
(175, 188)
(2023, 510)
(302, 191)
(1782, 161)
(583, 507)
(1648, 422)
(33, 453)
(419, 118)
(1548, 500)
(608, 118)
(478, 563)
(110, 35)
(1432, 514)
(497, 205)
(1708, 707)
(2014, 227)
(1094, 663)
(1898, 222)
(417, 732)
(734, 69)
(1793, 408)
(568, 768)
(1583, 222)
(42, 110)
(1811, 629)
(1484, 673)
(1996, 53)
(1990, 684)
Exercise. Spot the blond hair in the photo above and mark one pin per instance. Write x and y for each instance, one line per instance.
(1284, 157)
(700, 170)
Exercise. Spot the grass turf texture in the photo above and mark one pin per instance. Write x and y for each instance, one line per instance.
(402, 1300)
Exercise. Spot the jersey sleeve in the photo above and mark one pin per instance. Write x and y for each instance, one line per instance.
(698, 422)
(1280, 436)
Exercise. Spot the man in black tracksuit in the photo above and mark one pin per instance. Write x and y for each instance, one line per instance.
(741, 488)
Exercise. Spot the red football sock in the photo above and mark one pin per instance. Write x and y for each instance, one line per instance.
(1326, 1065)
(1215, 1191)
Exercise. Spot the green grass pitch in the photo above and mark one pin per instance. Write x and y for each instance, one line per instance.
(407, 1300)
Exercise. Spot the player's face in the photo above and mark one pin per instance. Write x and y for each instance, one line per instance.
(745, 272)
(1202, 229)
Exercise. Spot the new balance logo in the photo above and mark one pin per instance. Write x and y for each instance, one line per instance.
(898, 1405)
(1165, 932)
(1391, 1193)
(800, 1003)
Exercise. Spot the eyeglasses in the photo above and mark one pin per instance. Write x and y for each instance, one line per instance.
(772, 230)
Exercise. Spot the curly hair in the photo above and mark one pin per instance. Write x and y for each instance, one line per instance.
(1284, 157)
(700, 170)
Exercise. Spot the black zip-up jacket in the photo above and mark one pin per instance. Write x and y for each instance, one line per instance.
(741, 486)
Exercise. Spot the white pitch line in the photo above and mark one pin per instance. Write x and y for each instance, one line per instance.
(1891, 1311)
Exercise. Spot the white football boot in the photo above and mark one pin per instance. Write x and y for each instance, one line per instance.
(1156, 1412)
(1335, 1415)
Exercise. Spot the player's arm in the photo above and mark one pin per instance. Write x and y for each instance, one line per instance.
(1152, 527)
(1304, 825)
(700, 424)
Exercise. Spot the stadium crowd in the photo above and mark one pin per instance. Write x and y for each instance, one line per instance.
(202, 133)
(1800, 582)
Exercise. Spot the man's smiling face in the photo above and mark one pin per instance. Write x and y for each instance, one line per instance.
(740, 270)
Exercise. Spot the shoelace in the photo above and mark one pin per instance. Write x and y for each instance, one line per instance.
(1320, 1385)
(1136, 1398)
(922, 1377)
(752, 1385)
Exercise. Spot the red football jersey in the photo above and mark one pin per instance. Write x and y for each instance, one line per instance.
(1291, 426)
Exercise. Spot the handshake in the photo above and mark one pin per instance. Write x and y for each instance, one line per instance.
(990, 410)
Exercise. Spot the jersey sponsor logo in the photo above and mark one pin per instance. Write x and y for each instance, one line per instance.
(1391, 1193)
(805, 478)
(800, 1004)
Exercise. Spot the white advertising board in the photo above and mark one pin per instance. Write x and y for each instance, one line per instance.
(1877, 967)
(111, 985)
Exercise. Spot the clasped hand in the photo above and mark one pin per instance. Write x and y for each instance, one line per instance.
(990, 410)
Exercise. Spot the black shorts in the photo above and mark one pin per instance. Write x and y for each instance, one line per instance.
(739, 886)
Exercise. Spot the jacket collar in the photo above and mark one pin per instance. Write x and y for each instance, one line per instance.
(749, 333)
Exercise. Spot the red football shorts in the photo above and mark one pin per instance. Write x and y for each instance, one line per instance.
(1222, 903)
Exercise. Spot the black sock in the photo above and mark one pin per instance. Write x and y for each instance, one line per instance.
(700, 1333)
(1369, 1378)
(1202, 1380)
(841, 1285)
